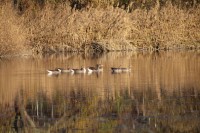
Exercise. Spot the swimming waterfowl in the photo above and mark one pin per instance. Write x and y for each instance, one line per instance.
(119, 70)
(116, 70)
(68, 70)
(98, 68)
(82, 70)
(55, 71)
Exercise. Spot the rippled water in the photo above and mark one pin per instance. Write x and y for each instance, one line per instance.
(160, 94)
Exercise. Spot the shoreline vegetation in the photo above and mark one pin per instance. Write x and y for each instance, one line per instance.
(91, 26)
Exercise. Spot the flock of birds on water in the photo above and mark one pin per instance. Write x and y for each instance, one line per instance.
(89, 70)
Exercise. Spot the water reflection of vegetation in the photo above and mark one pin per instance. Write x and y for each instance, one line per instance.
(80, 110)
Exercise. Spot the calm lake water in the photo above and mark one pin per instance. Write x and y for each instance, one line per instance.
(160, 94)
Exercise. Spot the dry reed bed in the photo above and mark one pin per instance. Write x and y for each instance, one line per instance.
(167, 28)
(12, 33)
(60, 29)
(65, 30)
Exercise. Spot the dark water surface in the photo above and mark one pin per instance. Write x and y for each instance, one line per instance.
(160, 94)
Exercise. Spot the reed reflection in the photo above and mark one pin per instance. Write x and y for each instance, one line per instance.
(85, 111)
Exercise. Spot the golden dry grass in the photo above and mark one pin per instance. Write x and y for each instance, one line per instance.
(170, 27)
(60, 28)
(12, 33)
